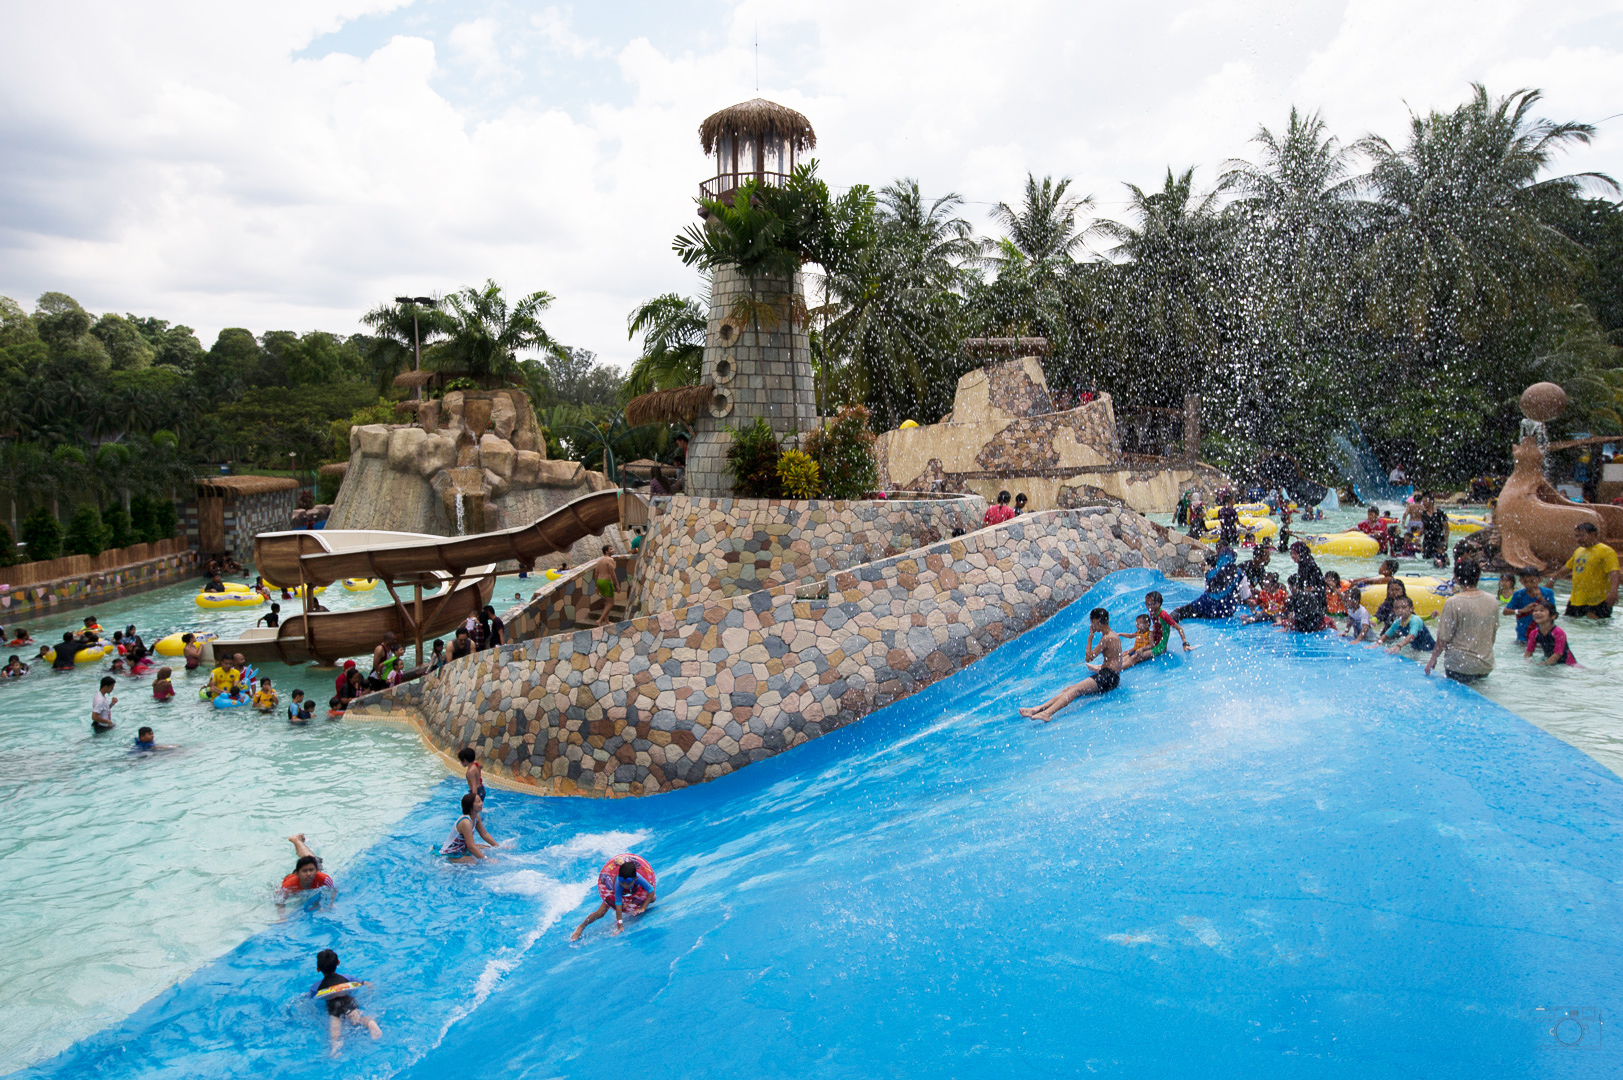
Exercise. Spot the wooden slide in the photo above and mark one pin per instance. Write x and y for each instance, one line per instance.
(444, 579)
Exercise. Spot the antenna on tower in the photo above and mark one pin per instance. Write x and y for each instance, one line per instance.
(757, 56)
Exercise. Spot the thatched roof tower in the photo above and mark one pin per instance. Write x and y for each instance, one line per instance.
(753, 140)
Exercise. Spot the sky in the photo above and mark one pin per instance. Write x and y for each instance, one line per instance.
(288, 166)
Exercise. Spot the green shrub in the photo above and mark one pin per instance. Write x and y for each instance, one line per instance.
(8, 546)
(43, 535)
(753, 461)
(327, 487)
(86, 534)
(844, 453)
(119, 532)
(799, 475)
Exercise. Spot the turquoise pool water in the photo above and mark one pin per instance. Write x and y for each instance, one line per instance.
(1273, 857)
(126, 873)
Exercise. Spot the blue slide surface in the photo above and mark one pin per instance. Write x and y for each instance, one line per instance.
(1275, 856)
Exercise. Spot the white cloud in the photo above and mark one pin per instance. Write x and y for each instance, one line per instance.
(188, 160)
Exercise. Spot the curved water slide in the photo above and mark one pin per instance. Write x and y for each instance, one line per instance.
(444, 579)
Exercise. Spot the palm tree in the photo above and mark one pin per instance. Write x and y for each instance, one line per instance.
(894, 314)
(1461, 242)
(1170, 288)
(1043, 230)
(673, 330)
(488, 334)
(392, 347)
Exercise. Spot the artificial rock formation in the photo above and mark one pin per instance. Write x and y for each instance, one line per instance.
(481, 449)
(1004, 433)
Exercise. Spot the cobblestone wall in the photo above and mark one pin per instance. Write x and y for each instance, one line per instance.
(684, 696)
(246, 516)
(703, 549)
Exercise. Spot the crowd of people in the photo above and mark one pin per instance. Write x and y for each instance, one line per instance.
(1312, 601)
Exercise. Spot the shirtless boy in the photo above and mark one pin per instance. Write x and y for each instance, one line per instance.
(603, 571)
(1106, 676)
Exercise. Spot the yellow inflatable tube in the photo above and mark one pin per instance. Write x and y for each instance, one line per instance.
(86, 656)
(1255, 528)
(1351, 544)
(222, 600)
(1249, 509)
(1426, 593)
(357, 584)
(173, 646)
(1466, 523)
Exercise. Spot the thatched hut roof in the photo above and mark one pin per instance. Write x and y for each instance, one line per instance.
(1006, 346)
(758, 116)
(337, 468)
(408, 407)
(410, 380)
(681, 404)
(221, 486)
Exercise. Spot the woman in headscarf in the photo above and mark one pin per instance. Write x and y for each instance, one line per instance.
(1221, 595)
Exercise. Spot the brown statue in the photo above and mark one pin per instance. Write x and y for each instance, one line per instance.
(1535, 521)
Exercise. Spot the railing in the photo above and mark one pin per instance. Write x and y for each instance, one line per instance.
(36, 573)
(724, 184)
(1152, 431)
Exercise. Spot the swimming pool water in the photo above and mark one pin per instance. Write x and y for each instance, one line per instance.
(126, 872)
(1273, 857)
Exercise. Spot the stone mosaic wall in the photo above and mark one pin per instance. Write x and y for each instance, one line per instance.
(683, 696)
(18, 602)
(702, 549)
(246, 516)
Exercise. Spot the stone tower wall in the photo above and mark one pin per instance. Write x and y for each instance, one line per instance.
(770, 376)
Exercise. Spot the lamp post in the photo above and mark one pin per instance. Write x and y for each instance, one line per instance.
(416, 338)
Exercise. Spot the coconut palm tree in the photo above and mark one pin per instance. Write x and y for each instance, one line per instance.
(1170, 288)
(392, 348)
(894, 314)
(1462, 242)
(673, 330)
(488, 334)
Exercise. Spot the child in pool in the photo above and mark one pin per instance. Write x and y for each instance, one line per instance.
(1525, 599)
(1550, 638)
(265, 697)
(144, 740)
(14, 669)
(20, 637)
(298, 712)
(1408, 630)
(340, 1006)
(101, 706)
(1359, 625)
(118, 666)
(192, 651)
(162, 688)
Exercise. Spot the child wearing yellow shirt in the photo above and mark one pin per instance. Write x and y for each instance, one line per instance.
(265, 698)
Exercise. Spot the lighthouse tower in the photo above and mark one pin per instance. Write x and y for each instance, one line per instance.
(756, 354)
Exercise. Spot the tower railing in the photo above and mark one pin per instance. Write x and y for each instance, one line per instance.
(721, 186)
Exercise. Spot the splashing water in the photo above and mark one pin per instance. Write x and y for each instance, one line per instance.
(461, 513)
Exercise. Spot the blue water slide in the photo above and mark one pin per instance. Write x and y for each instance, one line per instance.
(1363, 470)
(1274, 856)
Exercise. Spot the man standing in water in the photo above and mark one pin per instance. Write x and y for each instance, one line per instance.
(1106, 677)
(1594, 573)
(1466, 628)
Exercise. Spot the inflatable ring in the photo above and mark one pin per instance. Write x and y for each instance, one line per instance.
(611, 870)
(1426, 593)
(1465, 524)
(340, 988)
(226, 701)
(359, 584)
(85, 656)
(173, 646)
(552, 575)
(1352, 543)
(220, 600)
(1251, 527)
(905, 424)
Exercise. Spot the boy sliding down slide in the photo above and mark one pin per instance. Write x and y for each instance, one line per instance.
(1106, 677)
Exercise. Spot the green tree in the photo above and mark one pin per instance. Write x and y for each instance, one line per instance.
(489, 333)
(127, 348)
(673, 333)
(392, 348)
(42, 535)
(16, 325)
